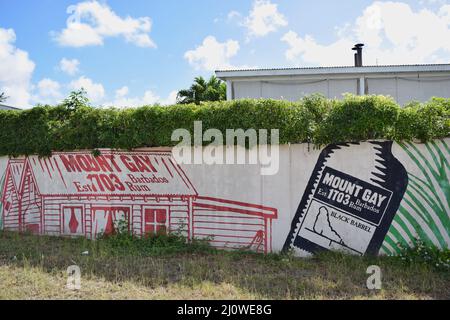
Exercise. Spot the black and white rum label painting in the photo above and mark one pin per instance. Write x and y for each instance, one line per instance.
(344, 212)
(349, 206)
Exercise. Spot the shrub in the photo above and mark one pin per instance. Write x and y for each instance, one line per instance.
(313, 119)
(359, 118)
(425, 254)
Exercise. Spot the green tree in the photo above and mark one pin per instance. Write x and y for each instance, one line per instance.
(76, 99)
(3, 97)
(201, 90)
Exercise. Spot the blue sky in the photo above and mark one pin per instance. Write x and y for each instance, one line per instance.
(136, 52)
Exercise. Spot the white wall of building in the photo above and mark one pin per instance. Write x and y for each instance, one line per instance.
(403, 83)
(404, 90)
(294, 90)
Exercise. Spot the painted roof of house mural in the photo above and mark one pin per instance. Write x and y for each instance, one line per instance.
(110, 174)
(16, 169)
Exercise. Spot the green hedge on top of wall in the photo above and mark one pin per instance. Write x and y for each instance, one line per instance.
(313, 119)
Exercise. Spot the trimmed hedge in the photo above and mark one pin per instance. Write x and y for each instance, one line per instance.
(313, 119)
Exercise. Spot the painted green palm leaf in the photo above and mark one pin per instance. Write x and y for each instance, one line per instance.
(424, 213)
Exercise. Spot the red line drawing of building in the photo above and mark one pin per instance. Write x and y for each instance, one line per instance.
(10, 197)
(77, 194)
(233, 224)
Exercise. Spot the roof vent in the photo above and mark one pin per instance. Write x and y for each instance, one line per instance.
(358, 55)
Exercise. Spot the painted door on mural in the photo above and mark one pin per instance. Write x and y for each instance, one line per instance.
(73, 220)
(105, 219)
(155, 221)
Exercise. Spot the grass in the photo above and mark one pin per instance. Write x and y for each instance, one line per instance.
(122, 267)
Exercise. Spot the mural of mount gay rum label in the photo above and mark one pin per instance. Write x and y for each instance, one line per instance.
(349, 205)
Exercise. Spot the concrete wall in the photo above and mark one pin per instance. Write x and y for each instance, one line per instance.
(402, 89)
(360, 198)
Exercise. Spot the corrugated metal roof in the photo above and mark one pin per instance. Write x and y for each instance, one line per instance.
(315, 72)
(338, 67)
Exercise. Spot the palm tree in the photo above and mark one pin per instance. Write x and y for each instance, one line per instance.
(201, 90)
(3, 97)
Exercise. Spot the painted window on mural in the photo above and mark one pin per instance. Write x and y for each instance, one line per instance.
(155, 221)
(73, 220)
(8, 204)
(107, 218)
(31, 210)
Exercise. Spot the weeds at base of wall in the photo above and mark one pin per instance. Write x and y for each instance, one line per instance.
(424, 254)
(123, 244)
(128, 244)
(419, 254)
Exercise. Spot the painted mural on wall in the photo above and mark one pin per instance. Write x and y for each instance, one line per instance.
(2, 180)
(78, 194)
(339, 211)
(424, 213)
(362, 198)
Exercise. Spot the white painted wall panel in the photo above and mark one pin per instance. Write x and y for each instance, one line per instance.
(292, 91)
(402, 88)
(337, 87)
(387, 87)
(407, 91)
(434, 88)
(247, 89)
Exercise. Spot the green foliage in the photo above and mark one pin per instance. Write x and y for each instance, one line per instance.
(201, 90)
(75, 125)
(124, 242)
(76, 99)
(422, 253)
(127, 244)
(425, 121)
(359, 118)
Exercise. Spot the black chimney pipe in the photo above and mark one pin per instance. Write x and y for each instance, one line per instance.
(358, 54)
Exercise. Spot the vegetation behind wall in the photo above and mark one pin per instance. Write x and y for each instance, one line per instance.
(314, 119)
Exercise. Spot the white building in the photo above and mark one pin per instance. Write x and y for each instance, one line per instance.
(403, 82)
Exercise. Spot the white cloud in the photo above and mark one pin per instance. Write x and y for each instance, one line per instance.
(51, 92)
(212, 55)
(95, 91)
(393, 34)
(69, 66)
(122, 92)
(91, 22)
(171, 99)
(432, 2)
(309, 51)
(122, 100)
(264, 18)
(47, 91)
(49, 88)
(16, 70)
(233, 15)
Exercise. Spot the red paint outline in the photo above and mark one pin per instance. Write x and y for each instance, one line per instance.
(192, 208)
